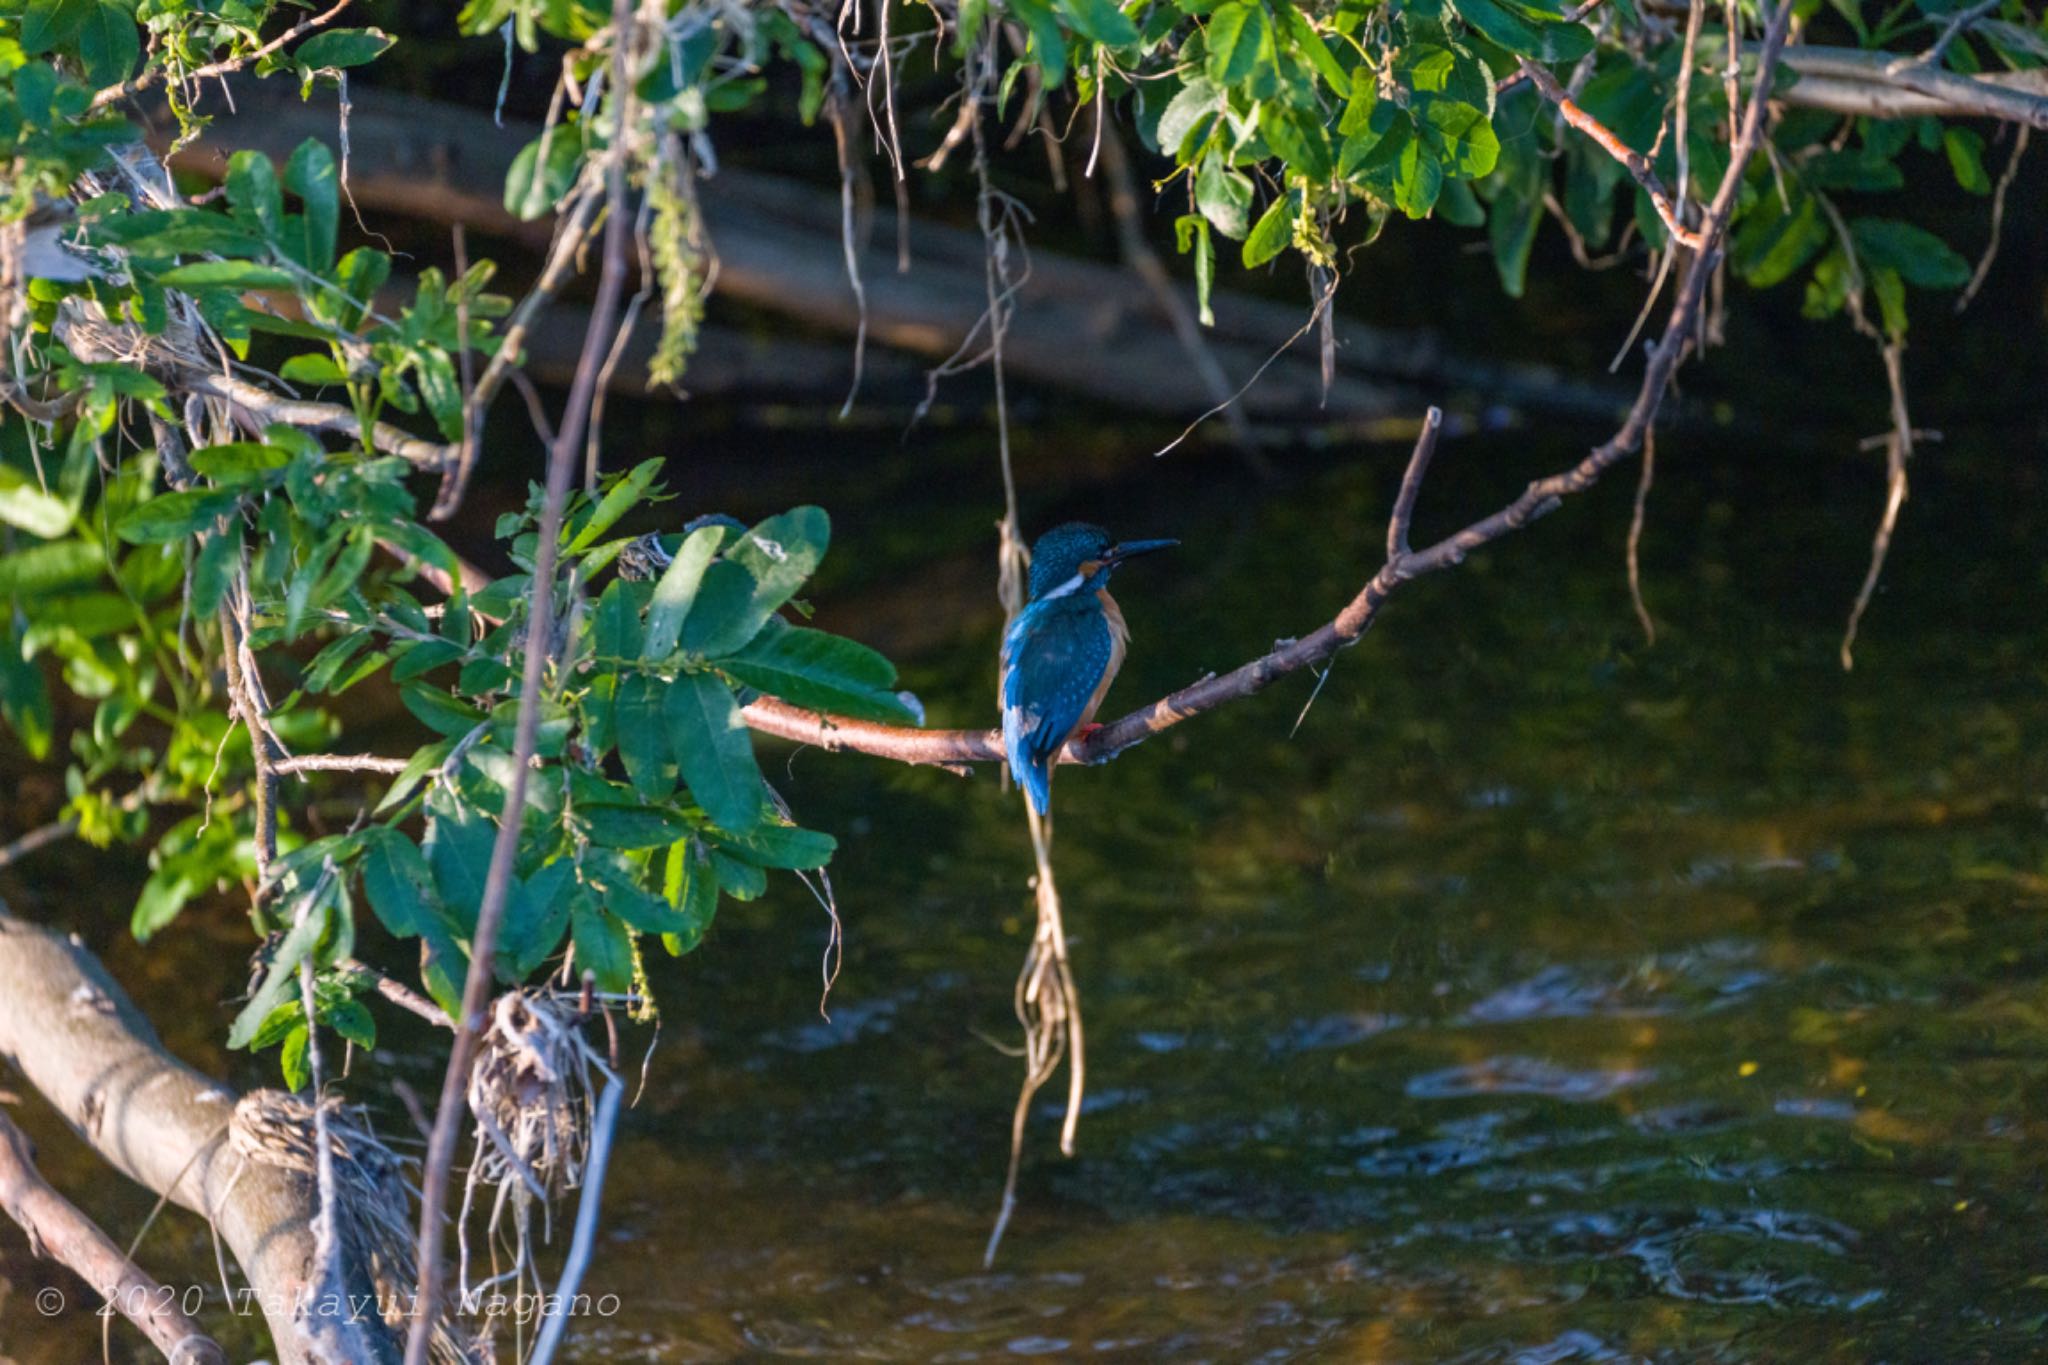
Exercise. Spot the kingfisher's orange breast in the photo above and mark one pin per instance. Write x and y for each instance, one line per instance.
(1119, 642)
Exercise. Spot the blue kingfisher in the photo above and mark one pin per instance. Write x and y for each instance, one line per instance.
(1063, 650)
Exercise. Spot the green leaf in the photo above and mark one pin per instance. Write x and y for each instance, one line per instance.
(741, 881)
(1298, 139)
(25, 505)
(714, 750)
(630, 827)
(1048, 42)
(1224, 196)
(603, 948)
(341, 47)
(676, 591)
(780, 846)
(1311, 46)
(53, 23)
(1418, 178)
(1195, 102)
(239, 461)
(313, 368)
(1240, 41)
(25, 698)
(438, 711)
(253, 191)
(618, 500)
(536, 913)
(1551, 42)
(354, 1023)
(692, 888)
(1965, 148)
(1919, 257)
(1773, 243)
(780, 554)
(399, 884)
(212, 570)
(531, 188)
(1193, 232)
(423, 761)
(298, 943)
(1462, 138)
(1274, 230)
(228, 275)
(59, 564)
(361, 274)
(458, 849)
(174, 516)
(163, 896)
(642, 734)
(292, 1061)
(824, 672)
(1101, 21)
(1891, 299)
(1365, 97)
(310, 175)
(108, 44)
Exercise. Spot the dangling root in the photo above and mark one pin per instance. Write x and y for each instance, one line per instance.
(1048, 1005)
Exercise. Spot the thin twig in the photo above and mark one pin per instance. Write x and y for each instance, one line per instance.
(1632, 161)
(1898, 450)
(842, 138)
(338, 763)
(153, 75)
(583, 1242)
(1958, 23)
(1125, 209)
(41, 837)
(2005, 179)
(1315, 317)
(1635, 534)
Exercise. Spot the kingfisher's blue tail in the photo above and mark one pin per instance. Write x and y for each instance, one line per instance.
(1035, 777)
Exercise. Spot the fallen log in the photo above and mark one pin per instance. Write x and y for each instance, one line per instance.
(1081, 326)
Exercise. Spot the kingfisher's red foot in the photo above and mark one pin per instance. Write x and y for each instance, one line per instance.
(1090, 728)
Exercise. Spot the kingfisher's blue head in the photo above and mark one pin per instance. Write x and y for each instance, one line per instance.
(1082, 554)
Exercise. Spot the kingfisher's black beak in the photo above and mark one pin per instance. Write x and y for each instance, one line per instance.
(1131, 549)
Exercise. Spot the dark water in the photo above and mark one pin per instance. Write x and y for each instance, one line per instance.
(1547, 997)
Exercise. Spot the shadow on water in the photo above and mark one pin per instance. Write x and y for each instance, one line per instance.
(1547, 998)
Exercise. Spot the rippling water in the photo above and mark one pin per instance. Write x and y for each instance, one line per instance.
(1548, 998)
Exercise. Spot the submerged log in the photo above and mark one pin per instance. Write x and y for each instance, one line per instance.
(1081, 326)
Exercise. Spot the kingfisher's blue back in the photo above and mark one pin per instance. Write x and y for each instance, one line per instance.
(1063, 650)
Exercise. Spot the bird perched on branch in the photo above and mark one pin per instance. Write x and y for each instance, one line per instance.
(1063, 650)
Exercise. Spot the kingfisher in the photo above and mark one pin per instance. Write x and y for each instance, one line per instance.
(1063, 650)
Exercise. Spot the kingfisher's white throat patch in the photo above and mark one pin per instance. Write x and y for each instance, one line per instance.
(1066, 589)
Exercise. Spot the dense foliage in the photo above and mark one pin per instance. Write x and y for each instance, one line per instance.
(168, 532)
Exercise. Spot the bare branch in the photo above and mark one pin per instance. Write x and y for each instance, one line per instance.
(56, 1228)
(1411, 485)
(1874, 83)
(1632, 161)
(339, 763)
